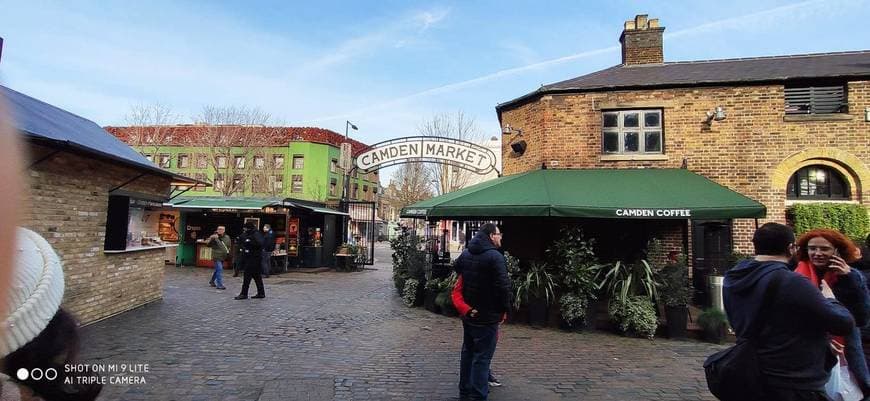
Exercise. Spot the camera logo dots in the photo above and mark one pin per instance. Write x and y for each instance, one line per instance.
(36, 374)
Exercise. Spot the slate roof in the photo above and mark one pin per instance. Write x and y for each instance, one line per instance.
(43, 122)
(192, 134)
(734, 72)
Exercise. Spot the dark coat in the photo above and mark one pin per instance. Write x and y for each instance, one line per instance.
(486, 285)
(269, 241)
(251, 247)
(792, 329)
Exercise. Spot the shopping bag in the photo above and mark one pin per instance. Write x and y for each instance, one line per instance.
(842, 386)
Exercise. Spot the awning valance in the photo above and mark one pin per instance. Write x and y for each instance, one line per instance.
(593, 193)
(207, 202)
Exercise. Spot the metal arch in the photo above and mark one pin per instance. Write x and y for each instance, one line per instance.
(422, 138)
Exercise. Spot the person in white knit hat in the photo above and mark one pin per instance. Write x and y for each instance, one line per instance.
(36, 332)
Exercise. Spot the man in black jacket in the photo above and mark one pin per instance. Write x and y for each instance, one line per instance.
(790, 319)
(251, 247)
(268, 248)
(486, 288)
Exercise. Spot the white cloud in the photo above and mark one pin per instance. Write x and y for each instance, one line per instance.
(430, 18)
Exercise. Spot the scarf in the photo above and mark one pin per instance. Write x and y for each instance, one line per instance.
(806, 269)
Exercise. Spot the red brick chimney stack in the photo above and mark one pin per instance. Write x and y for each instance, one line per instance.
(641, 41)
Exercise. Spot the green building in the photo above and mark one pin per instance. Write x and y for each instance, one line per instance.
(287, 162)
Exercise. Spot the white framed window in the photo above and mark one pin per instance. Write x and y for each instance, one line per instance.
(239, 161)
(278, 183)
(218, 182)
(333, 165)
(259, 162)
(183, 160)
(298, 162)
(296, 185)
(220, 161)
(333, 186)
(201, 160)
(165, 160)
(632, 132)
(278, 161)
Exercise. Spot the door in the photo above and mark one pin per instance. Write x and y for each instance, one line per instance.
(711, 245)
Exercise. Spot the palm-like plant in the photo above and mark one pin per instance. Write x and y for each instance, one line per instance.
(621, 280)
(536, 282)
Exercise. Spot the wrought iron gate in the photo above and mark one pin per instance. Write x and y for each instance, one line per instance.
(362, 228)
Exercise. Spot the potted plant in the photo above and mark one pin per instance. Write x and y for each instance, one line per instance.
(576, 267)
(433, 288)
(675, 291)
(536, 289)
(713, 322)
(635, 315)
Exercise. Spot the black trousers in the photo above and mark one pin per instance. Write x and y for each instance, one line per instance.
(258, 279)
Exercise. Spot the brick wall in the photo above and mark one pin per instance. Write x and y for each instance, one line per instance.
(753, 151)
(67, 204)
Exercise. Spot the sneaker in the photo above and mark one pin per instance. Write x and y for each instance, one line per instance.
(240, 297)
(221, 288)
(493, 382)
(211, 283)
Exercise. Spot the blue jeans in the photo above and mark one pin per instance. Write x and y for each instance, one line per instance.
(265, 262)
(218, 276)
(478, 346)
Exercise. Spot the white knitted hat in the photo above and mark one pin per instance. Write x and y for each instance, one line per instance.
(35, 293)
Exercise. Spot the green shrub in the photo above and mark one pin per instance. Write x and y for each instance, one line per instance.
(849, 219)
(573, 308)
(621, 281)
(409, 292)
(635, 314)
(409, 260)
(674, 286)
(574, 264)
(712, 319)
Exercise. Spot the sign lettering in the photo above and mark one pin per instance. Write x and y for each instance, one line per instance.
(466, 154)
(654, 213)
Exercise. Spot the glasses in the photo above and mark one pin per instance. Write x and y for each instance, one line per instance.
(498, 234)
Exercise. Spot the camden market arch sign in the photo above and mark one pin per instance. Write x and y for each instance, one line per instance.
(454, 152)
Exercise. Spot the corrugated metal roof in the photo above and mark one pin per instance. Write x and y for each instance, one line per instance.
(41, 121)
(712, 72)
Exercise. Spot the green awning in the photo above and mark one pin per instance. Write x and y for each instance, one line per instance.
(208, 202)
(593, 193)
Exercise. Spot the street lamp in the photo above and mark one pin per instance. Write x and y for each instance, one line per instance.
(344, 193)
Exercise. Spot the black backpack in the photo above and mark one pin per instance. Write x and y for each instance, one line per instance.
(734, 374)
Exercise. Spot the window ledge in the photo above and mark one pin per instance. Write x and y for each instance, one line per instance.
(141, 248)
(818, 117)
(618, 158)
(789, 202)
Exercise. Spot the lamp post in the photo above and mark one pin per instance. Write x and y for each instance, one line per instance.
(345, 195)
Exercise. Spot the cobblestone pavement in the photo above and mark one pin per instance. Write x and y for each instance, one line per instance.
(347, 336)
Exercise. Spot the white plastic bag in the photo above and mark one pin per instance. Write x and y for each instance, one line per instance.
(841, 386)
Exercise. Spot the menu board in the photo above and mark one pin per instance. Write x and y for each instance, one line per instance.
(166, 228)
(293, 236)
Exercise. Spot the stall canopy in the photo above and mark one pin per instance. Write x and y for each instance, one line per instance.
(312, 206)
(203, 202)
(593, 193)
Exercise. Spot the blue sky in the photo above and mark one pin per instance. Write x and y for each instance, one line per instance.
(385, 65)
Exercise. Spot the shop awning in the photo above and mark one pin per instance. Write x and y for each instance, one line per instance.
(204, 202)
(593, 193)
(311, 206)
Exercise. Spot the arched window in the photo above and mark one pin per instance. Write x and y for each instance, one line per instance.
(818, 182)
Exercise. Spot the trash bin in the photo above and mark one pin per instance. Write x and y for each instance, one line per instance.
(716, 283)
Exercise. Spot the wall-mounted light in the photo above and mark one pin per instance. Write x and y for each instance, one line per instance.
(518, 147)
(867, 114)
(718, 114)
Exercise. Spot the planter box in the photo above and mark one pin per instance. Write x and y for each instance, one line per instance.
(677, 319)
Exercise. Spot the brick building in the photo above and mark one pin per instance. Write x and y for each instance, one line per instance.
(779, 130)
(85, 188)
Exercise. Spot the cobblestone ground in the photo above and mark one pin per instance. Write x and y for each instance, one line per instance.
(346, 336)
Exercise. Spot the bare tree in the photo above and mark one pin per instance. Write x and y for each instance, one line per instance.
(317, 191)
(457, 126)
(149, 127)
(233, 136)
(412, 182)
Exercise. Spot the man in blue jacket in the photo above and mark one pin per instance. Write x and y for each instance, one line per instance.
(486, 289)
(787, 316)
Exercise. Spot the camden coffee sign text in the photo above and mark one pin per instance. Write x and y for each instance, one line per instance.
(660, 213)
(463, 154)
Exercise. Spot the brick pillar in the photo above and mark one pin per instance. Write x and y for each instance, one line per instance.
(641, 41)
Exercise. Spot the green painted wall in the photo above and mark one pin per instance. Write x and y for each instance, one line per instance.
(316, 174)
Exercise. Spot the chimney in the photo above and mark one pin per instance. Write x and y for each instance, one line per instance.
(641, 41)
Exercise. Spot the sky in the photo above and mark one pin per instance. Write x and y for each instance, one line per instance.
(387, 66)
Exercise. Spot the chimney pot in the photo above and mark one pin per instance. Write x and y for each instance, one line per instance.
(641, 41)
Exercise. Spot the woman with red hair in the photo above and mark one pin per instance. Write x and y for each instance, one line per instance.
(825, 254)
